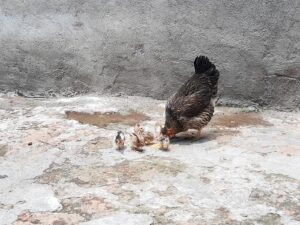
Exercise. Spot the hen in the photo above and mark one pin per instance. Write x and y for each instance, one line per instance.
(192, 107)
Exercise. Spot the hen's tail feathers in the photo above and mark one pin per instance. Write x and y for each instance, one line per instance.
(204, 66)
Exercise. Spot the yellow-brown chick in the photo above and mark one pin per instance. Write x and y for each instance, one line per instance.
(137, 138)
(149, 138)
(136, 143)
(138, 128)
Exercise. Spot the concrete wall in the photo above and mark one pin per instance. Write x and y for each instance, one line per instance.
(147, 47)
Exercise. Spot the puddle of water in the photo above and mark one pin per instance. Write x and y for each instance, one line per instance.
(104, 119)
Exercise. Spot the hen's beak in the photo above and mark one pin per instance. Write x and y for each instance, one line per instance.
(170, 132)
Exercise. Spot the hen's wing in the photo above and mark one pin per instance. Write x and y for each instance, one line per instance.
(192, 98)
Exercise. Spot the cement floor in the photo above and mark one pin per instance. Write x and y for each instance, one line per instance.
(244, 170)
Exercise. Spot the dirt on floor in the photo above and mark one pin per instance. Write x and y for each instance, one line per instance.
(239, 120)
(104, 119)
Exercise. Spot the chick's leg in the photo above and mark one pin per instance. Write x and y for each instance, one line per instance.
(121, 144)
(134, 142)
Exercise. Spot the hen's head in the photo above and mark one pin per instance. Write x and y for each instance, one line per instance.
(167, 132)
(172, 125)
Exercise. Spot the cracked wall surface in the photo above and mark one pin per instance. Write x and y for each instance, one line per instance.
(147, 48)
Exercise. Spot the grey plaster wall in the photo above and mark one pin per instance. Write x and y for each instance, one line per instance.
(147, 47)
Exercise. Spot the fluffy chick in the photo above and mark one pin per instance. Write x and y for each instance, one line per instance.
(120, 140)
(137, 138)
(138, 128)
(164, 140)
(136, 143)
(149, 138)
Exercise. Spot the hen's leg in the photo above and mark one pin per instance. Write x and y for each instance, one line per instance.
(198, 135)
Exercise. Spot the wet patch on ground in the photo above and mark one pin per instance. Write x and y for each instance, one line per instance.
(239, 120)
(221, 135)
(104, 119)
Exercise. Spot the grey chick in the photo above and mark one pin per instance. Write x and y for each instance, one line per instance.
(120, 140)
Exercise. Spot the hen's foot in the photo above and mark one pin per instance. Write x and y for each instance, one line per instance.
(197, 136)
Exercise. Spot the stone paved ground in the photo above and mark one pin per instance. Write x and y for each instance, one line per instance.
(53, 170)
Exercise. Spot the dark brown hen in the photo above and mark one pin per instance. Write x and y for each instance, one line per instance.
(192, 107)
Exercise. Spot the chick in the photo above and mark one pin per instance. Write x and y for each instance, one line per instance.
(137, 137)
(149, 138)
(139, 131)
(164, 140)
(138, 128)
(146, 137)
(158, 128)
(120, 140)
(136, 143)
